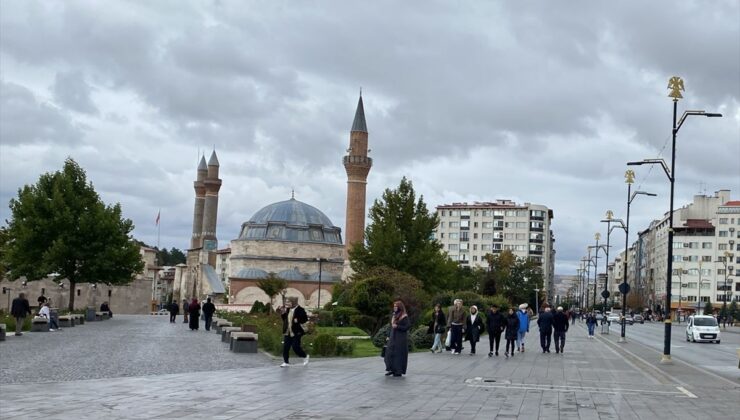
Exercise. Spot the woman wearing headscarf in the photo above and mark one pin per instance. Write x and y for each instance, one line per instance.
(397, 352)
(437, 327)
(473, 328)
(194, 311)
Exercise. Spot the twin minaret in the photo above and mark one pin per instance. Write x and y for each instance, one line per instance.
(205, 215)
(357, 165)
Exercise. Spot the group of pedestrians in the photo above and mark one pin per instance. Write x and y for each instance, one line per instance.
(191, 313)
(513, 326)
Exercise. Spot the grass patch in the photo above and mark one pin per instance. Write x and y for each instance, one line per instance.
(337, 331)
(365, 348)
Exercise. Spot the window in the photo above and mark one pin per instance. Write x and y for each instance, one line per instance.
(110, 292)
(499, 235)
(706, 272)
(521, 213)
(722, 247)
(522, 225)
(441, 225)
(706, 245)
(677, 245)
(454, 225)
(510, 213)
(475, 247)
(497, 247)
(43, 291)
(721, 271)
(485, 247)
(692, 245)
(498, 212)
(721, 298)
(464, 246)
(722, 220)
(441, 236)
(705, 298)
(452, 247)
(464, 213)
(691, 298)
(487, 213)
(475, 236)
(723, 234)
(475, 224)
(487, 225)
(537, 213)
(692, 271)
(465, 224)
(677, 258)
(706, 258)
(737, 287)
(691, 258)
(454, 212)
(537, 225)
(78, 292)
(464, 236)
(521, 236)
(691, 285)
(509, 225)
(475, 258)
(487, 236)
(454, 236)
(508, 236)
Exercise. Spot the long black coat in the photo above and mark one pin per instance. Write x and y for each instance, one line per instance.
(495, 322)
(438, 323)
(512, 326)
(473, 329)
(20, 307)
(194, 310)
(299, 317)
(397, 351)
(560, 322)
(174, 308)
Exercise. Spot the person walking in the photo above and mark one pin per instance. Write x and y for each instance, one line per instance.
(397, 352)
(544, 322)
(294, 316)
(523, 326)
(437, 327)
(456, 321)
(45, 312)
(19, 309)
(495, 325)
(512, 331)
(591, 324)
(208, 310)
(572, 316)
(185, 310)
(473, 328)
(560, 327)
(194, 311)
(174, 310)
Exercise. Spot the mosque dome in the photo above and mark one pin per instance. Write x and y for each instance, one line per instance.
(293, 221)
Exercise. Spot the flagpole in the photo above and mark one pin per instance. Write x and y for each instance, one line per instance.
(159, 225)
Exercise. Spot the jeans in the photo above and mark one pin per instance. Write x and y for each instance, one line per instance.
(494, 340)
(591, 328)
(53, 324)
(559, 340)
(545, 338)
(295, 343)
(520, 338)
(437, 342)
(510, 343)
(457, 337)
(209, 319)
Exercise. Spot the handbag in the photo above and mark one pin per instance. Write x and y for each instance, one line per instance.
(448, 340)
(382, 351)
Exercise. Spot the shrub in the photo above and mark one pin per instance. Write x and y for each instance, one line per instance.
(345, 347)
(257, 307)
(444, 299)
(342, 314)
(471, 298)
(420, 338)
(380, 337)
(324, 318)
(325, 345)
(363, 322)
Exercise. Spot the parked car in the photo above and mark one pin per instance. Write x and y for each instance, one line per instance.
(638, 318)
(702, 328)
(613, 317)
(629, 319)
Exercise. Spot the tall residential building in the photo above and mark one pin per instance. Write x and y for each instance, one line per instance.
(470, 231)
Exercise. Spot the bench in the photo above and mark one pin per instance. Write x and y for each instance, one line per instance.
(222, 324)
(39, 324)
(101, 316)
(249, 328)
(3, 331)
(66, 321)
(243, 342)
(79, 319)
(226, 333)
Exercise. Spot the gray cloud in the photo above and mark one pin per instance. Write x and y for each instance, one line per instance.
(72, 91)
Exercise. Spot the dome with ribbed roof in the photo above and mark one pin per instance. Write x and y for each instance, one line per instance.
(293, 221)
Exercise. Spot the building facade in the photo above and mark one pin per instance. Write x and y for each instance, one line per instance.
(468, 232)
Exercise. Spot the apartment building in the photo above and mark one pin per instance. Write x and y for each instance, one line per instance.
(470, 231)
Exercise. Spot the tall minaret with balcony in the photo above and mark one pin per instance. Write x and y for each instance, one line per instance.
(200, 200)
(212, 185)
(357, 165)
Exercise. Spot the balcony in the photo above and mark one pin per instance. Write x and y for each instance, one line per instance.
(536, 229)
(538, 218)
(498, 240)
(536, 241)
(535, 252)
(360, 160)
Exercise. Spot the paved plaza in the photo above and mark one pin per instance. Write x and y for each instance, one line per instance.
(141, 367)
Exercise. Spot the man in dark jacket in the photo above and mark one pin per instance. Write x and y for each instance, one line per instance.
(294, 316)
(545, 323)
(560, 326)
(19, 310)
(495, 325)
(174, 310)
(208, 310)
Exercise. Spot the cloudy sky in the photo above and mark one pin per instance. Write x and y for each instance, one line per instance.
(539, 102)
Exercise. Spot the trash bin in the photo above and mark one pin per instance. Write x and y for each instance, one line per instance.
(90, 313)
(605, 328)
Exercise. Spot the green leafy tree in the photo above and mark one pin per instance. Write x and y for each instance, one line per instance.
(272, 285)
(708, 308)
(399, 236)
(170, 258)
(515, 278)
(374, 292)
(60, 225)
(733, 310)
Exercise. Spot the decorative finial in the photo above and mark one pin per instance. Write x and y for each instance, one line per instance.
(675, 84)
(597, 236)
(292, 194)
(629, 176)
(609, 215)
(361, 91)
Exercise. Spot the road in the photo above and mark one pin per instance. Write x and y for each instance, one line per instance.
(720, 358)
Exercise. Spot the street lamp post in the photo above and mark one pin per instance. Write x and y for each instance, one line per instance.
(609, 228)
(596, 268)
(629, 177)
(727, 256)
(320, 260)
(536, 300)
(676, 85)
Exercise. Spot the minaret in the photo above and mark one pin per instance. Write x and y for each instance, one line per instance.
(200, 195)
(210, 212)
(357, 165)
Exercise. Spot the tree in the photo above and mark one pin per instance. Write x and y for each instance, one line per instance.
(169, 258)
(733, 310)
(515, 278)
(374, 292)
(708, 308)
(60, 225)
(272, 285)
(400, 236)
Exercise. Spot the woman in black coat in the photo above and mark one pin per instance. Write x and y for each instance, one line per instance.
(397, 351)
(512, 329)
(194, 311)
(437, 327)
(473, 328)
(495, 325)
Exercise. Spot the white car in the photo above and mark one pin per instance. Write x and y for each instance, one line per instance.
(613, 317)
(702, 328)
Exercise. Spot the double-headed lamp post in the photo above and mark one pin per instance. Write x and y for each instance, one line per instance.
(725, 261)
(629, 179)
(675, 84)
(597, 236)
(609, 220)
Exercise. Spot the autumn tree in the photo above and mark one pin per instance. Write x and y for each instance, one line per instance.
(60, 225)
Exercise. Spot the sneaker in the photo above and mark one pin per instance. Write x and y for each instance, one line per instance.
(506, 354)
(285, 365)
(432, 350)
(305, 361)
(52, 329)
(496, 354)
(490, 354)
(472, 354)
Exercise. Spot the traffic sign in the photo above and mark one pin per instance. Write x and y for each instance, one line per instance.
(605, 294)
(624, 288)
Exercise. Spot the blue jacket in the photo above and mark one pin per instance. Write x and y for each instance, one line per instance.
(523, 321)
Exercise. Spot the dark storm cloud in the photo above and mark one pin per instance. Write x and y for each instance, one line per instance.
(539, 101)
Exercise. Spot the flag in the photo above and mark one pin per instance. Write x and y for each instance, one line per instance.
(156, 222)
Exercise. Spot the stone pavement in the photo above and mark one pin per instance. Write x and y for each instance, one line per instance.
(592, 380)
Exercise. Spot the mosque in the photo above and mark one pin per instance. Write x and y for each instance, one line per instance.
(289, 239)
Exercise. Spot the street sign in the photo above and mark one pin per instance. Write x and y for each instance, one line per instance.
(605, 294)
(624, 288)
